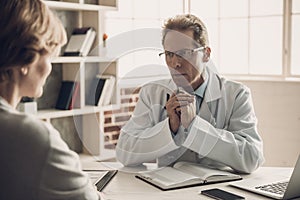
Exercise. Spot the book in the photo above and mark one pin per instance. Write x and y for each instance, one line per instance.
(101, 90)
(107, 90)
(66, 93)
(100, 178)
(185, 174)
(75, 100)
(80, 42)
(95, 91)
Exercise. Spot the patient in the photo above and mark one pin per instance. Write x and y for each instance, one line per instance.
(35, 162)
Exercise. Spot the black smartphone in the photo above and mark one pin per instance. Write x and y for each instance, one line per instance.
(221, 194)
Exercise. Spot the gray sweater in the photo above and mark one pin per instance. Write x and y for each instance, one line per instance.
(35, 163)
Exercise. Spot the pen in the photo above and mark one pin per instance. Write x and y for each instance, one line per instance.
(178, 90)
(168, 97)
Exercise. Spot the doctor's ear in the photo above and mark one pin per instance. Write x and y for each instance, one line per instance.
(206, 54)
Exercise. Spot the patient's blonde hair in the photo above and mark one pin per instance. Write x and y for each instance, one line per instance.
(28, 28)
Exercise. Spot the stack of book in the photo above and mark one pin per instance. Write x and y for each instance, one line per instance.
(80, 42)
(101, 90)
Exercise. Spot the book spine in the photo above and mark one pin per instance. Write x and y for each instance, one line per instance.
(81, 31)
(65, 95)
(96, 89)
(90, 40)
(109, 92)
(80, 42)
(75, 100)
(77, 53)
(87, 36)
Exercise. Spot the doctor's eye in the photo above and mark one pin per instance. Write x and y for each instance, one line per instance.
(169, 54)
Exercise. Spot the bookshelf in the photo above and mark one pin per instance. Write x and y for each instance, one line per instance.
(82, 127)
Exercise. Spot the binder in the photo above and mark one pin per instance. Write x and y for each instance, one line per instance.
(105, 179)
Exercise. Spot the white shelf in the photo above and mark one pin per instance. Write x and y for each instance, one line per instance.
(83, 69)
(58, 5)
(67, 59)
(110, 107)
(77, 59)
(91, 59)
(54, 113)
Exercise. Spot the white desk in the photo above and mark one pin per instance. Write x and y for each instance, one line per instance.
(124, 186)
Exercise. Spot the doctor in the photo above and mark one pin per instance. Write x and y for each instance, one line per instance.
(197, 115)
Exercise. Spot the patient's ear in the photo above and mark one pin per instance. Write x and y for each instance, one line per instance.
(24, 71)
(206, 54)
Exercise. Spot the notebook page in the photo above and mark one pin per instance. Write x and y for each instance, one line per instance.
(168, 176)
(200, 171)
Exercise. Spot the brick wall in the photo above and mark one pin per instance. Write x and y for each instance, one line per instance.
(115, 119)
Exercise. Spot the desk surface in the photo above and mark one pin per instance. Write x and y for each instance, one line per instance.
(125, 186)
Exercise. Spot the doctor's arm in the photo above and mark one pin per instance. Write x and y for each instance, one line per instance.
(145, 137)
(238, 145)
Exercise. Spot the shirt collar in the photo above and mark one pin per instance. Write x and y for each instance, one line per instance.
(5, 105)
(201, 89)
(212, 87)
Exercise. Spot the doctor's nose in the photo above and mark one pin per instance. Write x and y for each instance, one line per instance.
(176, 62)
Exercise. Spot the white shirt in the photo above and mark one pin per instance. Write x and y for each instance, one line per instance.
(36, 163)
(224, 133)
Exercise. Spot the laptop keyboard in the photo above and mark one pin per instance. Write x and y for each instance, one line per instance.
(277, 188)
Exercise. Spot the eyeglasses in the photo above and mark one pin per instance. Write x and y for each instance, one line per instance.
(182, 53)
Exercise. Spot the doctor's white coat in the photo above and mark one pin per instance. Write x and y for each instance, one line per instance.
(224, 133)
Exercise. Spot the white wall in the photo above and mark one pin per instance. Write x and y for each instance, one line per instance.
(277, 106)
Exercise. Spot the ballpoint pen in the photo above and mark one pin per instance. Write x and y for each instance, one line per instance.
(168, 97)
(178, 90)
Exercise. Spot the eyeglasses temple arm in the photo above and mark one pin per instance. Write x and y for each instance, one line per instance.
(199, 49)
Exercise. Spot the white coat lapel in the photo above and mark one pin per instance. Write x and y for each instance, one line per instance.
(206, 114)
(210, 101)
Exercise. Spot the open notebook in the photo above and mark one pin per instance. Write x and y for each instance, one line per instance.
(100, 178)
(185, 174)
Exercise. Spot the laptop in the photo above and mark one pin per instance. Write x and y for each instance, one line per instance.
(280, 189)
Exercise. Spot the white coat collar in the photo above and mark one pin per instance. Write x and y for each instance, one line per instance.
(213, 90)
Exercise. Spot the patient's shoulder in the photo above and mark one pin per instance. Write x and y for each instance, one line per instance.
(24, 128)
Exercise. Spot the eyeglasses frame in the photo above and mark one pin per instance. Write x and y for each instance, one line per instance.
(174, 53)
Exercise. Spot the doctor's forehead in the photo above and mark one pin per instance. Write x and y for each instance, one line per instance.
(176, 40)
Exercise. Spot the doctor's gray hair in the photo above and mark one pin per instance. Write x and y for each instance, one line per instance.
(187, 22)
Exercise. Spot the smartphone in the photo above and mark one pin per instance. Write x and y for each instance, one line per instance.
(221, 194)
